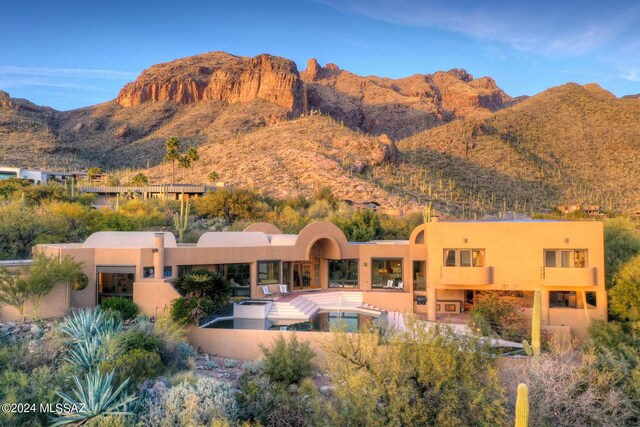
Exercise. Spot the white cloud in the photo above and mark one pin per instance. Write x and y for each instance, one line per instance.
(544, 27)
(66, 73)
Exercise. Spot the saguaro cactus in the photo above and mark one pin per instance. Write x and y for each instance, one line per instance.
(522, 406)
(535, 322)
(181, 220)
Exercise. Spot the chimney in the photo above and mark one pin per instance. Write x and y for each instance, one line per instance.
(158, 256)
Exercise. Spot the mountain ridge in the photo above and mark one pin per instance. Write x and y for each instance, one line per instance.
(446, 127)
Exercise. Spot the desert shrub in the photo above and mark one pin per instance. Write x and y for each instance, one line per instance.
(137, 365)
(268, 403)
(110, 421)
(125, 306)
(500, 313)
(288, 362)
(624, 297)
(428, 376)
(170, 332)
(568, 391)
(192, 404)
(134, 340)
(114, 315)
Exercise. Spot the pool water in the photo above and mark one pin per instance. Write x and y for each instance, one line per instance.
(323, 321)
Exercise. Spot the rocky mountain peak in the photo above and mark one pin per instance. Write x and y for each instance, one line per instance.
(219, 76)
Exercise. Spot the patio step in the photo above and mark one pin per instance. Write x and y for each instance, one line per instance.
(305, 306)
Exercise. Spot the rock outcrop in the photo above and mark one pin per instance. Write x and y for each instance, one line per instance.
(399, 107)
(218, 76)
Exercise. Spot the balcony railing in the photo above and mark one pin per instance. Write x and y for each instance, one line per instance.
(467, 275)
(570, 276)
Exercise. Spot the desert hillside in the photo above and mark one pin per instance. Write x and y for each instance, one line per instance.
(447, 138)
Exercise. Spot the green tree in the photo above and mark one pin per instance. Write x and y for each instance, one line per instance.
(13, 290)
(232, 205)
(40, 194)
(19, 229)
(621, 243)
(624, 298)
(45, 272)
(11, 186)
(172, 153)
(139, 179)
(193, 156)
(36, 281)
(184, 162)
(362, 226)
(93, 171)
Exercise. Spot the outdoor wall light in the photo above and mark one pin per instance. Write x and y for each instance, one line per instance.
(154, 250)
(566, 240)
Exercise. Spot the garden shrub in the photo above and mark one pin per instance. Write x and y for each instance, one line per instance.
(134, 340)
(189, 404)
(187, 310)
(288, 362)
(500, 313)
(125, 306)
(183, 356)
(137, 365)
(268, 403)
(429, 375)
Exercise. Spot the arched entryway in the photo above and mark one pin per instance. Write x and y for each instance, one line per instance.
(307, 274)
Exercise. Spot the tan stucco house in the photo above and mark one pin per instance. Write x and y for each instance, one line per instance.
(438, 271)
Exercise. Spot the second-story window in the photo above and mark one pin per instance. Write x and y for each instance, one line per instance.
(464, 257)
(565, 258)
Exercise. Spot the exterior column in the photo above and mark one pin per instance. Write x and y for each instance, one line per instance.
(431, 304)
(158, 257)
(601, 305)
(545, 307)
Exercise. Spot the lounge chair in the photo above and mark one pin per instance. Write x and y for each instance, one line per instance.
(267, 292)
(284, 290)
(400, 286)
(389, 284)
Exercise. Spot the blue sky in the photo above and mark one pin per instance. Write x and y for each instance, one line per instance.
(70, 54)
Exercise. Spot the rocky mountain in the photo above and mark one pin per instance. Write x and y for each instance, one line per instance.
(445, 138)
(399, 107)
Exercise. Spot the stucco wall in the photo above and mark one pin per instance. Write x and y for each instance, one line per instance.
(55, 304)
(153, 298)
(245, 344)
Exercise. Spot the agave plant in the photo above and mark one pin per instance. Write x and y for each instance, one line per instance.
(88, 354)
(95, 397)
(87, 323)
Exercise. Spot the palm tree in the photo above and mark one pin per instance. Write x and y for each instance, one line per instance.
(139, 179)
(172, 154)
(193, 156)
(184, 162)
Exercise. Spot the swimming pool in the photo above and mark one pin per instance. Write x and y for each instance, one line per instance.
(323, 321)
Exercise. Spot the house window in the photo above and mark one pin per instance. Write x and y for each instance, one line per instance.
(268, 272)
(419, 278)
(148, 273)
(386, 273)
(565, 258)
(238, 276)
(286, 273)
(564, 299)
(168, 270)
(343, 273)
(464, 258)
(115, 281)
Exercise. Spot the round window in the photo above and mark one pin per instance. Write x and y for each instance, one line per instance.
(79, 282)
